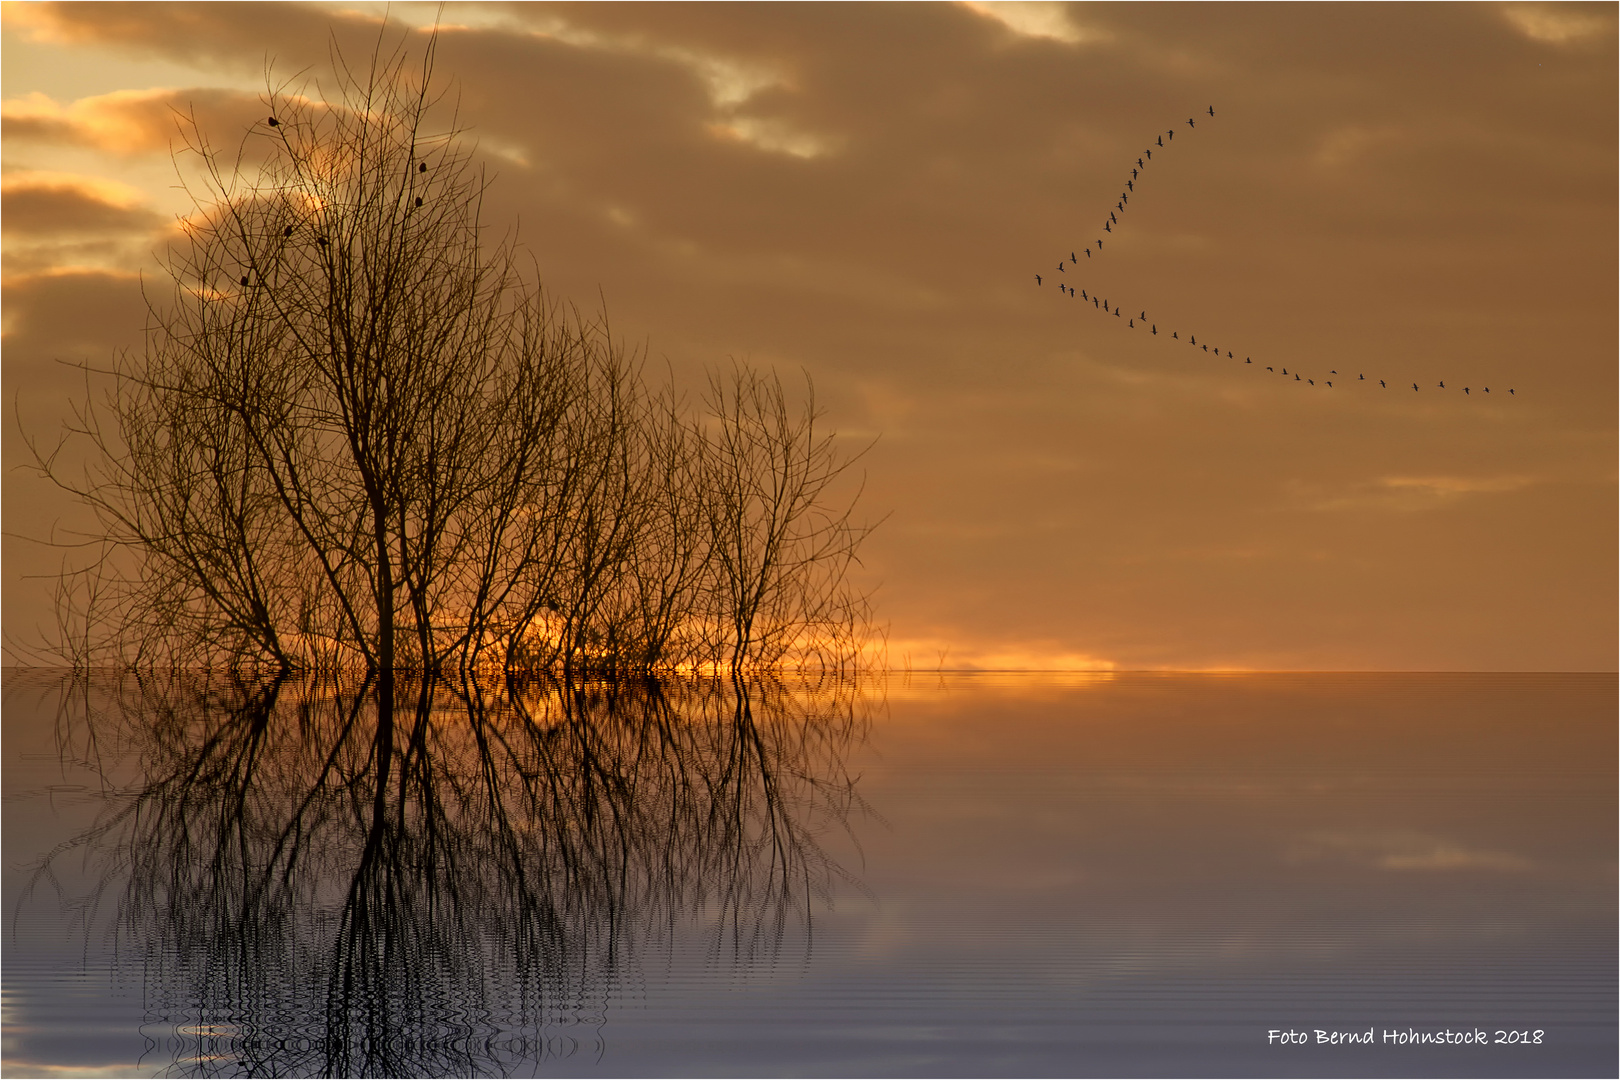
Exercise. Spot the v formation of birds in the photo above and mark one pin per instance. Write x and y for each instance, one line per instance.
(1103, 306)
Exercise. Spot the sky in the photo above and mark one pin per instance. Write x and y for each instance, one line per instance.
(865, 193)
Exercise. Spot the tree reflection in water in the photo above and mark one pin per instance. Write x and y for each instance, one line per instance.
(316, 889)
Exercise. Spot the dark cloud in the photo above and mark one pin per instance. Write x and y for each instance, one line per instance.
(54, 209)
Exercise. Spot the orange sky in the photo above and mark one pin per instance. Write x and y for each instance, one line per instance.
(1420, 193)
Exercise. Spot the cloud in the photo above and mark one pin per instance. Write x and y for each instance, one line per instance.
(58, 223)
(1449, 487)
(230, 37)
(1400, 850)
(1032, 18)
(128, 122)
(1451, 857)
(52, 204)
(772, 135)
(1346, 145)
(730, 82)
(1406, 493)
(70, 315)
(1561, 24)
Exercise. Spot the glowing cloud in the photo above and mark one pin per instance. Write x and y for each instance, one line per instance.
(771, 135)
(90, 188)
(124, 122)
(1560, 25)
(1031, 18)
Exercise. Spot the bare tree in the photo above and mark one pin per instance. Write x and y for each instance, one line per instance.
(360, 435)
(781, 550)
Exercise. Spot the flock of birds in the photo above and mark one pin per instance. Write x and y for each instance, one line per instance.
(1103, 306)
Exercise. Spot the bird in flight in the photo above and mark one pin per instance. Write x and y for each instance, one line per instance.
(1037, 279)
(1212, 110)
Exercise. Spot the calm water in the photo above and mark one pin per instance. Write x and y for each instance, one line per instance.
(959, 875)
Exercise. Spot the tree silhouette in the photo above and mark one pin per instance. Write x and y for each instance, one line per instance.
(361, 436)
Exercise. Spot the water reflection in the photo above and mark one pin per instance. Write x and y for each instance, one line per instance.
(312, 887)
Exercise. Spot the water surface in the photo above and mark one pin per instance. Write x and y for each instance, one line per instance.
(941, 875)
